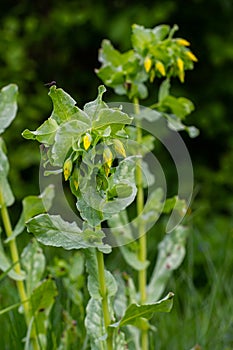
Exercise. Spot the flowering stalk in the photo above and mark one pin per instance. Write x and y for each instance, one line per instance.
(142, 253)
(17, 268)
(103, 293)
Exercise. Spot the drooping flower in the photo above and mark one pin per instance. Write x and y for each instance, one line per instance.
(191, 56)
(160, 68)
(86, 141)
(67, 168)
(147, 64)
(119, 147)
(180, 65)
(183, 42)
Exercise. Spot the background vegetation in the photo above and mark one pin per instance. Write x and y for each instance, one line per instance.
(59, 40)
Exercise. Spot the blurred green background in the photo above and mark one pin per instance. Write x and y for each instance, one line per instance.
(41, 41)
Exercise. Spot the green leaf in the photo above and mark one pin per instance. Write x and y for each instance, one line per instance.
(93, 277)
(8, 267)
(44, 134)
(174, 123)
(64, 107)
(42, 300)
(109, 116)
(4, 169)
(164, 90)
(33, 262)
(66, 135)
(152, 209)
(161, 32)
(52, 230)
(8, 105)
(93, 108)
(134, 311)
(170, 256)
(181, 106)
(94, 324)
(123, 236)
(32, 206)
(43, 296)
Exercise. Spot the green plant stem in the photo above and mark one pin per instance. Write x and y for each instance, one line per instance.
(103, 293)
(15, 260)
(142, 253)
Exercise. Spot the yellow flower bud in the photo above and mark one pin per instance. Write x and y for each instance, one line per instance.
(147, 64)
(76, 184)
(86, 141)
(183, 42)
(180, 65)
(107, 156)
(119, 147)
(191, 56)
(75, 176)
(160, 67)
(67, 168)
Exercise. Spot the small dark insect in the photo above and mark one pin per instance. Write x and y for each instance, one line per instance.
(51, 83)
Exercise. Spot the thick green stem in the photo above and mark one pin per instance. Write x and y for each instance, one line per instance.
(142, 253)
(104, 295)
(15, 260)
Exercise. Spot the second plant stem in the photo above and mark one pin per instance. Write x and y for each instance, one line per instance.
(142, 252)
(104, 295)
(17, 268)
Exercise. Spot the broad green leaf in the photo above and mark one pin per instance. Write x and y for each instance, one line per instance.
(174, 123)
(33, 262)
(161, 32)
(42, 300)
(94, 325)
(141, 38)
(66, 135)
(164, 90)
(152, 209)
(43, 296)
(64, 107)
(108, 116)
(8, 105)
(109, 55)
(123, 236)
(170, 256)
(93, 108)
(32, 206)
(44, 134)
(52, 230)
(5, 188)
(181, 106)
(134, 311)
(8, 267)
(89, 213)
(93, 278)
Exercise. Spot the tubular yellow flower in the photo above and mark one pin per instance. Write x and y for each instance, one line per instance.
(147, 64)
(86, 141)
(107, 156)
(67, 168)
(183, 42)
(191, 56)
(75, 176)
(160, 67)
(76, 184)
(180, 65)
(119, 147)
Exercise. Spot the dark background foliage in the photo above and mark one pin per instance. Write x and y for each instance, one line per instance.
(41, 41)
